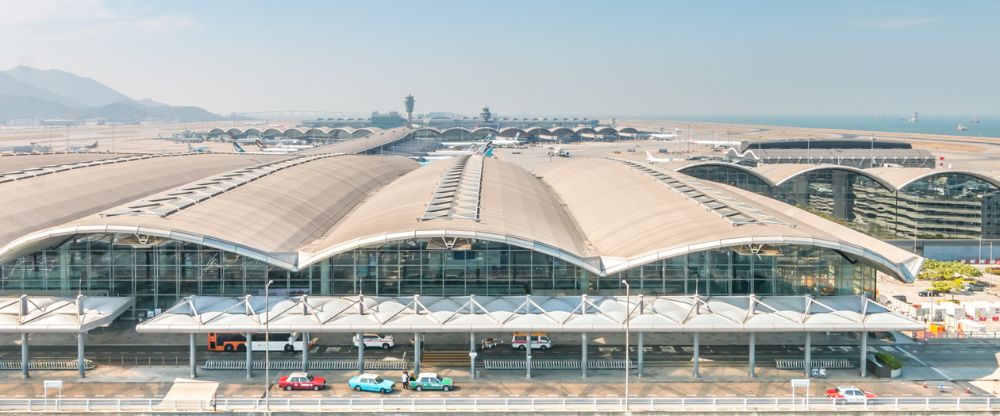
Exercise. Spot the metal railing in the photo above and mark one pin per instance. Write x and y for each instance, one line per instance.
(507, 405)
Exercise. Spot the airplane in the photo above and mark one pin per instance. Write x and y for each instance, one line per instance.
(280, 149)
(186, 136)
(238, 149)
(666, 136)
(516, 141)
(79, 149)
(483, 149)
(199, 149)
(31, 148)
(718, 144)
(653, 159)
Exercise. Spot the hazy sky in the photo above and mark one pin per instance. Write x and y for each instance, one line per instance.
(588, 58)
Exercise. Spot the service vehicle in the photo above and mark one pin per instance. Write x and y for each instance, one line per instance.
(372, 340)
(301, 381)
(230, 342)
(431, 381)
(849, 394)
(539, 341)
(371, 382)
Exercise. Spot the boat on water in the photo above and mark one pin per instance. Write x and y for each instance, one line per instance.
(961, 127)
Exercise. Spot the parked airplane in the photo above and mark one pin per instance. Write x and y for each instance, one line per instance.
(81, 149)
(199, 149)
(278, 149)
(31, 148)
(666, 136)
(653, 159)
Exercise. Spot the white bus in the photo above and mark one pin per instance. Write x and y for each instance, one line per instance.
(278, 342)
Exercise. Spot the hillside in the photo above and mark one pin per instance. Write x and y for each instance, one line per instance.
(29, 93)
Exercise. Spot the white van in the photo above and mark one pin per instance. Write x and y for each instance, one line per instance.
(539, 341)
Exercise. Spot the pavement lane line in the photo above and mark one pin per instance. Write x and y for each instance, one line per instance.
(921, 362)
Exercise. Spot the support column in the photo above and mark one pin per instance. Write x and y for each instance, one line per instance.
(64, 267)
(472, 355)
(193, 362)
(752, 369)
(527, 356)
(697, 356)
(863, 365)
(638, 372)
(24, 355)
(324, 277)
(80, 367)
(417, 352)
(249, 348)
(809, 348)
(361, 352)
(583, 355)
(305, 351)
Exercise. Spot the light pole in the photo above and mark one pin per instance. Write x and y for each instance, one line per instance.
(628, 312)
(267, 345)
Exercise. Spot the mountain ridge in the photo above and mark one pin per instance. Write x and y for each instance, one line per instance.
(27, 92)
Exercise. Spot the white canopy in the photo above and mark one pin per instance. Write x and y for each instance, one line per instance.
(50, 314)
(584, 313)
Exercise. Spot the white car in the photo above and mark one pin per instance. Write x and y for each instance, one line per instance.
(376, 341)
(849, 394)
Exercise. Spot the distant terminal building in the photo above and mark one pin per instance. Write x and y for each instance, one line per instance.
(449, 120)
(991, 216)
(890, 203)
(858, 153)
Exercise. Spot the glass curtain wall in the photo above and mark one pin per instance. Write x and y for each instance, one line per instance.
(158, 273)
(942, 206)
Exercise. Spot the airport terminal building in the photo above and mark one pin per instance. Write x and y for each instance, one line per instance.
(161, 228)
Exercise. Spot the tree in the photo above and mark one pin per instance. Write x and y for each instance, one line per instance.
(947, 286)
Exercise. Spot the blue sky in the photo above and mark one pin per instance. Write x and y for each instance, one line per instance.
(606, 58)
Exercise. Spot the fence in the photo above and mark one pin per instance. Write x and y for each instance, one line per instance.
(785, 364)
(297, 364)
(46, 365)
(506, 405)
(555, 364)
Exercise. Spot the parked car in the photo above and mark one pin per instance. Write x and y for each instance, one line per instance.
(301, 381)
(373, 340)
(539, 340)
(849, 394)
(431, 381)
(928, 293)
(371, 382)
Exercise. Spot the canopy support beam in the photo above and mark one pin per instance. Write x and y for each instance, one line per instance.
(24, 355)
(697, 357)
(192, 361)
(249, 348)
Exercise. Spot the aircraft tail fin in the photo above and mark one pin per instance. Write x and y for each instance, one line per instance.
(238, 148)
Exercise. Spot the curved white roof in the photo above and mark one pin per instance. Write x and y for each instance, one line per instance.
(351, 314)
(602, 215)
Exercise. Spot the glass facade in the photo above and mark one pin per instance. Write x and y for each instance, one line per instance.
(157, 273)
(940, 206)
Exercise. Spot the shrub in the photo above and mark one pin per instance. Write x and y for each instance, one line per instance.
(993, 270)
(889, 360)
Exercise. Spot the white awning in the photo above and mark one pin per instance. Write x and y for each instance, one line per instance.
(347, 314)
(51, 314)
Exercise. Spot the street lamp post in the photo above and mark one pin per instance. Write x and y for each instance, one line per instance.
(628, 312)
(267, 345)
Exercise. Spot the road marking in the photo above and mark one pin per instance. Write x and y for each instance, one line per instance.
(921, 362)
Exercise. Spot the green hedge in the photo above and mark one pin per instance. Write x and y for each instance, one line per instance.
(889, 360)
